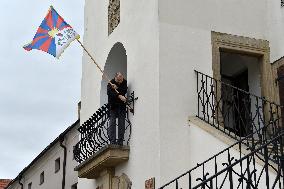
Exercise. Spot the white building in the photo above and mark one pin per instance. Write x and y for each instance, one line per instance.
(157, 45)
(53, 167)
(209, 78)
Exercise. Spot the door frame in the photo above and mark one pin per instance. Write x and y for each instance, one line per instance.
(247, 46)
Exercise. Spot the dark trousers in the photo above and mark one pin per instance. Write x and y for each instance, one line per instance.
(117, 113)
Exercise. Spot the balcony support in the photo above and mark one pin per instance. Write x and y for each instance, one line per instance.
(104, 160)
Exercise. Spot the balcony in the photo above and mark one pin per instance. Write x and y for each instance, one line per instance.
(256, 125)
(236, 112)
(95, 152)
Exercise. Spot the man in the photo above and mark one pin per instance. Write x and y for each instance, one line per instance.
(116, 91)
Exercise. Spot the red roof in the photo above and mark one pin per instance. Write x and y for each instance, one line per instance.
(4, 183)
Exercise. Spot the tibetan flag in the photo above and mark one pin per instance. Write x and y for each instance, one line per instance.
(53, 35)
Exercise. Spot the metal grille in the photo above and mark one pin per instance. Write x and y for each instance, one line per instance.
(94, 134)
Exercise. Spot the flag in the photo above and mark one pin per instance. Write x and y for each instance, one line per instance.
(53, 35)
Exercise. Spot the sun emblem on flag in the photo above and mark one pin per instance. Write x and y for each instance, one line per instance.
(53, 32)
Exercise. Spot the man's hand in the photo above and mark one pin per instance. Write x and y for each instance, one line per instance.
(122, 98)
(114, 86)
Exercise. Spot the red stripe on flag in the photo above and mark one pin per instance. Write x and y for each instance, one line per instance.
(38, 38)
(45, 45)
(41, 30)
(59, 21)
(49, 21)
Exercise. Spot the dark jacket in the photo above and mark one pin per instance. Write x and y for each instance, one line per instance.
(113, 99)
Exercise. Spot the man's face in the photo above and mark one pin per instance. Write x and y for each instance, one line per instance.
(119, 79)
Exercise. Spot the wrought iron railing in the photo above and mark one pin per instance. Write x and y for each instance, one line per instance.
(246, 173)
(230, 169)
(95, 136)
(236, 112)
(255, 123)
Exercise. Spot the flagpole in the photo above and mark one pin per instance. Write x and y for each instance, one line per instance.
(104, 75)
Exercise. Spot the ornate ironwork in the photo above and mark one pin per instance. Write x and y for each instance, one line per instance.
(228, 109)
(236, 112)
(245, 173)
(237, 170)
(94, 134)
(131, 102)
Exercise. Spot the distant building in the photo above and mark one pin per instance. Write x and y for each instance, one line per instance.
(4, 183)
(53, 167)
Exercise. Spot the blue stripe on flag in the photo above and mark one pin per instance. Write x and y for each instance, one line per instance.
(43, 25)
(39, 43)
(62, 25)
(54, 17)
(52, 48)
(40, 34)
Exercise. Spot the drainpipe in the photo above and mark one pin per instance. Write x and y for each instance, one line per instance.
(61, 139)
(22, 185)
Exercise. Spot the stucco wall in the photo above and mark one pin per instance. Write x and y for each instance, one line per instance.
(138, 32)
(203, 145)
(165, 41)
(185, 44)
(275, 25)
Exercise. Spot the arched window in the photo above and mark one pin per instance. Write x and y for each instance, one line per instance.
(116, 62)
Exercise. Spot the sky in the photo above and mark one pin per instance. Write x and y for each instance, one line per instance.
(38, 93)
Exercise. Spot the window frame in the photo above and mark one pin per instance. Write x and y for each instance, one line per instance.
(30, 185)
(57, 165)
(41, 178)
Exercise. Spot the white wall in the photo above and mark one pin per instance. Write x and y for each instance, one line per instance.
(165, 41)
(275, 25)
(138, 32)
(263, 19)
(201, 146)
(177, 88)
(71, 140)
(185, 44)
(47, 164)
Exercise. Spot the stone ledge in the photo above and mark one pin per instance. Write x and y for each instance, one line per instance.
(108, 157)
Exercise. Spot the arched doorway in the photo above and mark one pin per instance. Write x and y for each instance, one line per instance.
(116, 62)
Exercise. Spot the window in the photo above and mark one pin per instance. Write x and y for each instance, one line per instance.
(30, 185)
(41, 178)
(57, 165)
(74, 186)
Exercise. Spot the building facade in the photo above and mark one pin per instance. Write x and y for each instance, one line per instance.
(218, 60)
(209, 80)
(53, 167)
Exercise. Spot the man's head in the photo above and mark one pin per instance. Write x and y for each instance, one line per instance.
(118, 78)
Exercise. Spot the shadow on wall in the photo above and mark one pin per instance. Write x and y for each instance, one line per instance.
(116, 62)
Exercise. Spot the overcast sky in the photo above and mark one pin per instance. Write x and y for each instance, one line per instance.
(38, 93)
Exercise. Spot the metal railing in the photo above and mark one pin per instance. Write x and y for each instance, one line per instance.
(232, 169)
(95, 136)
(256, 125)
(236, 112)
(246, 173)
